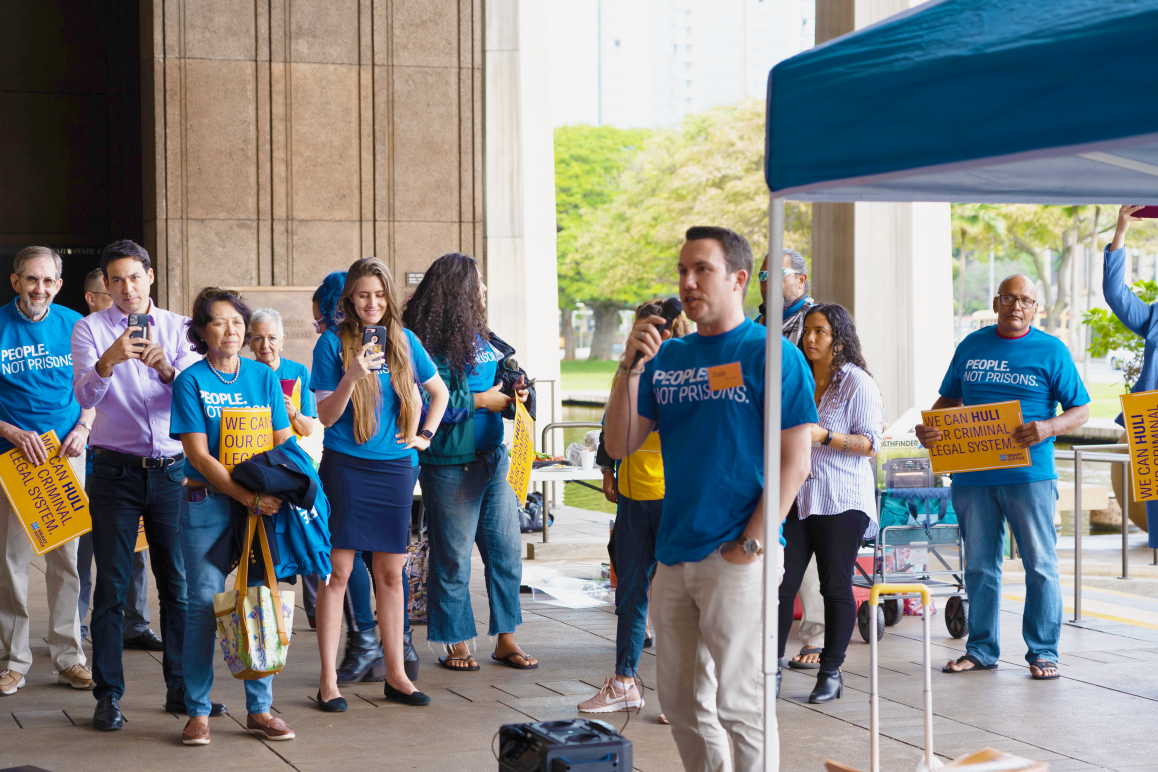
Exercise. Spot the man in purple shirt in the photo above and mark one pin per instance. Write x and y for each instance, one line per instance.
(137, 467)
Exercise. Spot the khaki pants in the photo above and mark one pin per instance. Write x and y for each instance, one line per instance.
(707, 623)
(63, 585)
(812, 621)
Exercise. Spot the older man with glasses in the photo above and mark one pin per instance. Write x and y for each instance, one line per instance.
(1013, 361)
(794, 286)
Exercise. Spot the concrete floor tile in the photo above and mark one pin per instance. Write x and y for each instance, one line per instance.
(523, 690)
(578, 688)
(35, 719)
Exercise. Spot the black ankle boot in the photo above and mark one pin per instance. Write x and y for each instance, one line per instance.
(829, 687)
(364, 660)
(409, 656)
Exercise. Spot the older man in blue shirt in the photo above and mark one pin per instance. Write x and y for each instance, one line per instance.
(1138, 317)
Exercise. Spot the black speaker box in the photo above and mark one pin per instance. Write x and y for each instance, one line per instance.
(562, 746)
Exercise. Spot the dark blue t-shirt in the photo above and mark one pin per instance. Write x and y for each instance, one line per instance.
(1036, 369)
(36, 371)
(327, 374)
(488, 426)
(713, 442)
(291, 370)
(199, 395)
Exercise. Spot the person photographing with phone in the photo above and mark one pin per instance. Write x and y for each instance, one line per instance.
(366, 378)
(1139, 318)
(124, 361)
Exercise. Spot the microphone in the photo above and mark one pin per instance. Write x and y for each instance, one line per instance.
(672, 307)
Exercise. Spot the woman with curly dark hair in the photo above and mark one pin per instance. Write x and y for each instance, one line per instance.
(836, 507)
(464, 471)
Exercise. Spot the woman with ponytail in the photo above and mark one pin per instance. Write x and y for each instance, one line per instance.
(369, 401)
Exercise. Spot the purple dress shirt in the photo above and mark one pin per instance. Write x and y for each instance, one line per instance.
(132, 405)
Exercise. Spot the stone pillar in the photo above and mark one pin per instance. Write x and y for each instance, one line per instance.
(890, 264)
(520, 190)
(284, 139)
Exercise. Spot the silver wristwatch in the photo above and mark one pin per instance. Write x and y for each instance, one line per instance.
(751, 546)
(86, 425)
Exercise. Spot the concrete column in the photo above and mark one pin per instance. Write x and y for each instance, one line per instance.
(520, 189)
(889, 264)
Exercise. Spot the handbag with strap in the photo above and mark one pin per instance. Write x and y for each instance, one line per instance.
(254, 623)
(417, 564)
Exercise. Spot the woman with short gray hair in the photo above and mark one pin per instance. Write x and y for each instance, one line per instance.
(268, 338)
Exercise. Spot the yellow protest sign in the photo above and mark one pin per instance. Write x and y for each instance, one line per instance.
(975, 438)
(522, 453)
(245, 432)
(1140, 412)
(141, 544)
(48, 499)
(293, 390)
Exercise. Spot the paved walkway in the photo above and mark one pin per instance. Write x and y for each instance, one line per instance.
(1101, 715)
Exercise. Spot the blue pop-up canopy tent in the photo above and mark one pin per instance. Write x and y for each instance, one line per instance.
(1004, 101)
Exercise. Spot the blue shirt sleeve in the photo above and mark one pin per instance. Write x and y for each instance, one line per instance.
(186, 416)
(797, 388)
(951, 384)
(424, 367)
(1067, 387)
(646, 402)
(327, 370)
(276, 397)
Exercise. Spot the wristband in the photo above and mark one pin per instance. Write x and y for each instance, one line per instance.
(256, 502)
(827, 439)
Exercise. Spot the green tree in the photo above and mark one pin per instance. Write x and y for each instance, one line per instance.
(588, 162)
(709, 169)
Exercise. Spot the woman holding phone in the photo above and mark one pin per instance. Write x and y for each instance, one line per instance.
(219, 328)
(365, 377)
(464, 471)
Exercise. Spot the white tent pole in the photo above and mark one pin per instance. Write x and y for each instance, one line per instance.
(773, 554)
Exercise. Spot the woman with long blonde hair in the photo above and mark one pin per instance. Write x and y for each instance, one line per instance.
(369, 401)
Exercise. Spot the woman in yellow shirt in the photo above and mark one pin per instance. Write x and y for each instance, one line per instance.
(638, 496)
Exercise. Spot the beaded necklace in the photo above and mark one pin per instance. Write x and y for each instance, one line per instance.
(221, 377)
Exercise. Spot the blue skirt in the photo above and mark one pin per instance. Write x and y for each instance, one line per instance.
(370, 501)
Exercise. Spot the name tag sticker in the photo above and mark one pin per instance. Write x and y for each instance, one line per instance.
(725, 376)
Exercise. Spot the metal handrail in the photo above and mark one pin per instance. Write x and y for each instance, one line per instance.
(1077, 455)
(546, 502)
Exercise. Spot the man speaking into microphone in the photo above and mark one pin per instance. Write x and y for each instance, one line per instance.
(704, 393)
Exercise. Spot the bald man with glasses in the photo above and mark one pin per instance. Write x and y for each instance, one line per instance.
(1013, 360)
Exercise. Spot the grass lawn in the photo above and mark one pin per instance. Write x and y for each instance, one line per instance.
(588, 375)
(585, 498)
(1104, 401)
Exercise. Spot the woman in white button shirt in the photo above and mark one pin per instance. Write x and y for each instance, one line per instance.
(836, 507)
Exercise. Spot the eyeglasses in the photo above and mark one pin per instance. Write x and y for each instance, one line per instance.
(1024, 303)
(319, 324)
(786, 271)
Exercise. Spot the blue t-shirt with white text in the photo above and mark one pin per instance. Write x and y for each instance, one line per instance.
(488, 426)
(199, 395)
(291, 370)
(36, 371)
(327, 374)
(1035, 369)
(713, 442)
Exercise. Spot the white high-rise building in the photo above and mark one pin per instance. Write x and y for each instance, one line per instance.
(647, 63)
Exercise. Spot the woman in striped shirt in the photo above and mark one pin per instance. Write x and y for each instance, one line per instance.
(836, 507)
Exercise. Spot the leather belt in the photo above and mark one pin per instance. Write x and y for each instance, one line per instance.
(145, 462)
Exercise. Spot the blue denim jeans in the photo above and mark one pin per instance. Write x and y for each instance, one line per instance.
(137, 619)
(636, 525)
(472, 504)
(120, 494)
(202, 524)
(982, 512)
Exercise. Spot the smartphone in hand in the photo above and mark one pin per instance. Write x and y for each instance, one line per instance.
(142, 321)
(368, 335)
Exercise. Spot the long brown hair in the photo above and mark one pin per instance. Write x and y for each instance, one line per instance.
(366, 396)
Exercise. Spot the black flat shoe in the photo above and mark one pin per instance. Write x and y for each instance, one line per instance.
(107, 717)
(414, 699)
(175, 703)
(829, 687)
(146, 641)
(336, 705)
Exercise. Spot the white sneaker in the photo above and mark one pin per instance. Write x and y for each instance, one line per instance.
(614, 698)
(10, 681)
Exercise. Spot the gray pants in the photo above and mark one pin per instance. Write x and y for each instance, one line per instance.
(137, 601)
(63, 586)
